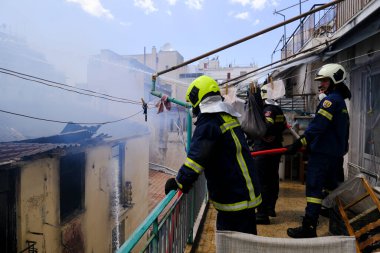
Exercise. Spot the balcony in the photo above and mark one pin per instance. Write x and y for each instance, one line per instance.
(321, 24)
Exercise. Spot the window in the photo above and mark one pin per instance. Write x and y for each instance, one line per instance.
(372, 116)
(71, 184)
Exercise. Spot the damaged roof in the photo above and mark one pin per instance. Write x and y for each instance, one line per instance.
(11, 152)
(73, 135)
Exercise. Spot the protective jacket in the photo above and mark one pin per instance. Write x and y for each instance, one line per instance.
(219, 149)
(328, 132)
(276, 124)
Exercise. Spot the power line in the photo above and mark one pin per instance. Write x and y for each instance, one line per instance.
(291, 6)
(313, 70)
(53, 84)
(349, 59)
(66, 122)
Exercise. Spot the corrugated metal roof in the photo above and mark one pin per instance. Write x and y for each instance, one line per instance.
(11, 152)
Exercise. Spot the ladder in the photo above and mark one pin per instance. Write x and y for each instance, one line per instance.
(361, 215)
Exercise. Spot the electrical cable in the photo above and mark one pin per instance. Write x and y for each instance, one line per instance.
(47, 83)
(291, 6)
(66, 122)
(313, 70)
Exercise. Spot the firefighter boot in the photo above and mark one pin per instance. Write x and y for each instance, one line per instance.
(262, 216)
(307, 230)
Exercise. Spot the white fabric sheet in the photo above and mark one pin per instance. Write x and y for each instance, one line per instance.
(231, 242)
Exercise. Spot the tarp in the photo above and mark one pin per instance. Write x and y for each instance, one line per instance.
(227, 242)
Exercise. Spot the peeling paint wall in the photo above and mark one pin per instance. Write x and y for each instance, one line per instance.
(90, 230)
(38, 205)
(96, 220)
(136, 171)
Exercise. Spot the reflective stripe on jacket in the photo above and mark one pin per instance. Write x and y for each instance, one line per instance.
(328, 132)
(219, 149)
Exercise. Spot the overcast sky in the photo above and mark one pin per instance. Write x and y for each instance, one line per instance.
(67, 31)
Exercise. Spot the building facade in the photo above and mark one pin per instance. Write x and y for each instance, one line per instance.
(82, 196)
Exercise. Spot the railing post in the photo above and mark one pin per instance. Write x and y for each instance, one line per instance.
(190, 239)
(155, 234)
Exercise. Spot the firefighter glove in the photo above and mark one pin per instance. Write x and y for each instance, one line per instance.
(170, 185)
(293, 148)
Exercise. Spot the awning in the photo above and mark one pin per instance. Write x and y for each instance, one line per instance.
(280, 69)
(275, 69)
(284, 69)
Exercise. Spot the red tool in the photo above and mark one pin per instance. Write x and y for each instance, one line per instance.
(269, 152)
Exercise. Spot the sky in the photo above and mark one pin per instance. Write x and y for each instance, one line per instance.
(67, 32)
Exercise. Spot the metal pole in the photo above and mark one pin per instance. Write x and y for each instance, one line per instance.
(301, 25)
(249, 37)
(278, 61)
(284, 42)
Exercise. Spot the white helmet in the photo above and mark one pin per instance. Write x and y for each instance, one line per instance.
(334, 71)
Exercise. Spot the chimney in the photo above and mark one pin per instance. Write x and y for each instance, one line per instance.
(154, 57)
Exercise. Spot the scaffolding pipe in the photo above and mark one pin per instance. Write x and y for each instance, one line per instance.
(248, 37)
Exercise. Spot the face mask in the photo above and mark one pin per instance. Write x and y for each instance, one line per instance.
(321, 96)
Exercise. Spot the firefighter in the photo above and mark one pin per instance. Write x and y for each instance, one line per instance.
(326, 140)
(219, 149)
(267, 166)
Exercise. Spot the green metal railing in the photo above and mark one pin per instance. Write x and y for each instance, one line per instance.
(169, 227)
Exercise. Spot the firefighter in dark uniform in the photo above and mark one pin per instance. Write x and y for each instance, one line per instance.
(219, 149)
(268, 166)
(326, 140)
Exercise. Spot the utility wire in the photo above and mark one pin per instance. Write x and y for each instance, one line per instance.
(291, 6)
(53, 84)
(60, 121)
(353, 58)
(315, 70)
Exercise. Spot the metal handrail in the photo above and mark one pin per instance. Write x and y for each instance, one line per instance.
(300, 30)
(169, 227)
(145, 225)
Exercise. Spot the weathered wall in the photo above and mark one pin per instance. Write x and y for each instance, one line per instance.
(91, 230)
(137, 171)
(38, 213)
(97, 222)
